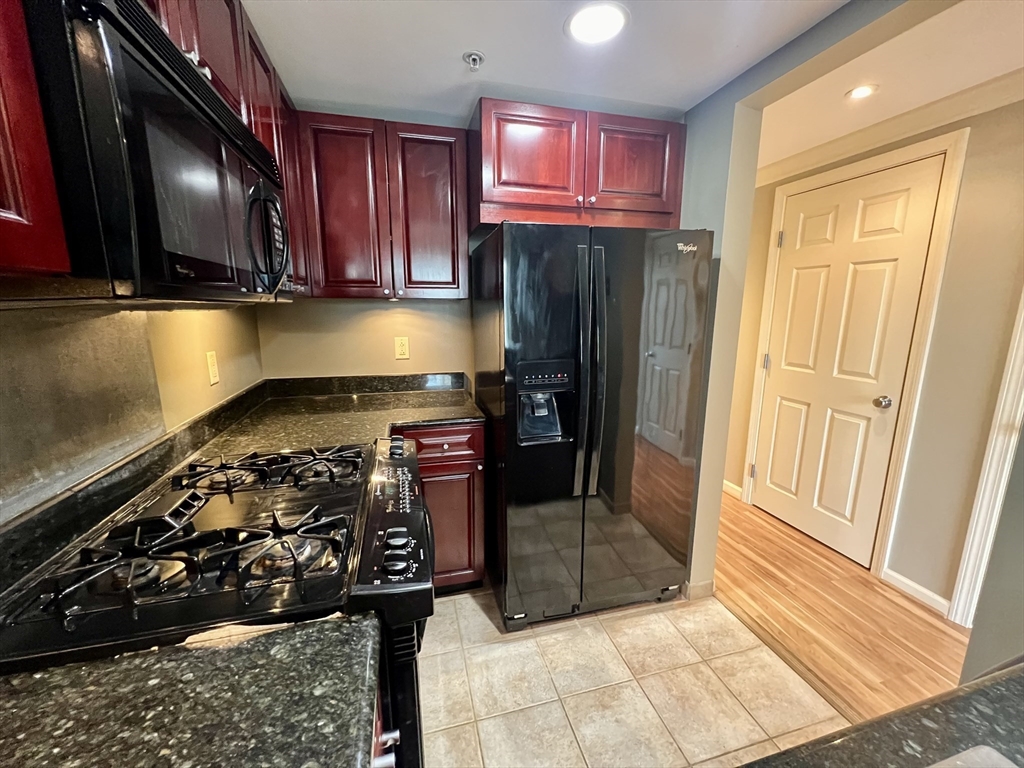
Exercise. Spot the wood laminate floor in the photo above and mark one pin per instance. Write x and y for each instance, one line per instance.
(866, 647)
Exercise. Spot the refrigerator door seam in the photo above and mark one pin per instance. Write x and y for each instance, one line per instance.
(583, 285)
(601, 357)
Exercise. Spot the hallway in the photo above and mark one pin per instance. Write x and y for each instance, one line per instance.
(863, 645)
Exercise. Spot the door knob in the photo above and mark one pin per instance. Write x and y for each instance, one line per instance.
(649, 353)
(883, 401)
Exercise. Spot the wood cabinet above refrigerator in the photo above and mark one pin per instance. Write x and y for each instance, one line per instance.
(548, 165)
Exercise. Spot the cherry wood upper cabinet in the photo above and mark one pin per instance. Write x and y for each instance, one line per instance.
(31, 231)
(262, 98)
(346, 195)
(211, 31)
(289, 158)
(427, 185)
(633, 164)
(532, 154)
(547, 165)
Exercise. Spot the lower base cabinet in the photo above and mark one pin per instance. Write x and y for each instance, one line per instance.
(455, 497)
(451, 464)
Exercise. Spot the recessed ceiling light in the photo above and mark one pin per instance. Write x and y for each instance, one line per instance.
(597, 22)
(861, 91)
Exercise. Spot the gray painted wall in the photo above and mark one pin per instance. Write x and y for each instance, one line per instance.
(998, 633)
(77, 392)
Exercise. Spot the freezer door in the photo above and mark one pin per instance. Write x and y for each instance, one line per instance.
(652, 296)
(547, 322)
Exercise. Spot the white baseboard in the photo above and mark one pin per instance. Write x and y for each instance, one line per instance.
(916, 591)
(699, 590)
(732, 489)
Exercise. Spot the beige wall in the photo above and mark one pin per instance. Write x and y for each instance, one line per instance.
(353, 337)
(180, 340)
(977, 301)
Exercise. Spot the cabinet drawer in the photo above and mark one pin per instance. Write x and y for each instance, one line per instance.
(462, 441)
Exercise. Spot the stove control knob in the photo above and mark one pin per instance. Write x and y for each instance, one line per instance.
(397, 446)
(395, 563)
(396, 538)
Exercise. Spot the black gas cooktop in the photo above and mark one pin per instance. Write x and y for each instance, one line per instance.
(253, 537)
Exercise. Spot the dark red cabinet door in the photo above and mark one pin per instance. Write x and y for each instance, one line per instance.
(346, 195)
(454, 493)
(427, 194)
(295, 212)
(262, 100)
(633, 164)
(31, 231)
(214, 28)
(532, 154)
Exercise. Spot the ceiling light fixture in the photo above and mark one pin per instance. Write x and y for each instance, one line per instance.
(861, 92)
(597, 22)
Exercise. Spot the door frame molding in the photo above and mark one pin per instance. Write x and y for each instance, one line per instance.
(1007, 420)
(953, 146)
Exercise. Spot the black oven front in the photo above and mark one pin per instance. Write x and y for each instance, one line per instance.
(164, 190)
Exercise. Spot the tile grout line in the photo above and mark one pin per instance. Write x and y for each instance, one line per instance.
(558, 698)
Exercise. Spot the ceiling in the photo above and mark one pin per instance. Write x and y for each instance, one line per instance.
(402, 59)
(966, 45)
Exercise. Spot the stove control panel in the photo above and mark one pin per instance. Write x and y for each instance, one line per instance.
(397, 552)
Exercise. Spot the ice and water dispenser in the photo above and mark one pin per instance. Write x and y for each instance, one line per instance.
(546, 400)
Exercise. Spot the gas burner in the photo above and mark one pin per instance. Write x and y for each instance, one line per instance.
(282, 558)
(227, 480)
(148, 575)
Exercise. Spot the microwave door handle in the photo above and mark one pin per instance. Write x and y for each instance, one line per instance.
(583, 386)
(601, 358)
(276, 276)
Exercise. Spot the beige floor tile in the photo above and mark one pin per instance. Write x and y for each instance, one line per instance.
(507, 676)
(479, 620)
(772, 692)
(704, 718)
(582, 658)
(740, 756)
(711, 629)
(537, 737)
(456, 747)
(649, 643)
(617, 726)
(444, 691)
(811, 732)
(442, 632)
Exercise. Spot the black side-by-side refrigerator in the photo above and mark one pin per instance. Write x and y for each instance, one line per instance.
(592, 349)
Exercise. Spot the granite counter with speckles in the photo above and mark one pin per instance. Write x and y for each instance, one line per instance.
(987, 712)
(300, 696)
(308, 421)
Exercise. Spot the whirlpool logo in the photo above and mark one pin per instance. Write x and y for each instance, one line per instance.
(686, 247)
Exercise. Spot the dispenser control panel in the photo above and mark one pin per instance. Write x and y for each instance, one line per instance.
(546, 375)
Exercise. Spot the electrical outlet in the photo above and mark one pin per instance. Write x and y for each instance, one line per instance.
(211, 364)
(401, 347)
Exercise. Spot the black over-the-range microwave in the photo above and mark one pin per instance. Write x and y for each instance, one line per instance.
(165, 193)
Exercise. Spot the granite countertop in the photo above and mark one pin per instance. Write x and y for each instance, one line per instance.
(304, 695)
(988, 712)
(316, 421)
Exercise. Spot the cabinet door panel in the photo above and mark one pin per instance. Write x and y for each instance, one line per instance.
(532, 154)
(261, 92)
(633, 164)
(347, 205)
(31, 231)
(427, 175)
(454, 496)
(295, 213)
(215, 28)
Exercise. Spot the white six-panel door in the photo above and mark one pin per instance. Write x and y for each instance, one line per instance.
(846, 296)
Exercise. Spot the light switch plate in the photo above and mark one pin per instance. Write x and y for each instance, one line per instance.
(401, 347)
(211, 364)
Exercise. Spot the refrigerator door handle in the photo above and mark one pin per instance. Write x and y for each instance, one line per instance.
(601, 358)
(583, 386)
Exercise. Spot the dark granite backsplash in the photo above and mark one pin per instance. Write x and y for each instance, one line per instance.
(359, 385)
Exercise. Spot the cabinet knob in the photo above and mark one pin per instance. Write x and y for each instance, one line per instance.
(387, 291)
(592, 199)
(384, 761)
(192, 56)
(480, 466)
(580, 199)
(390, 738)
(445, 446)
(401, 293)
